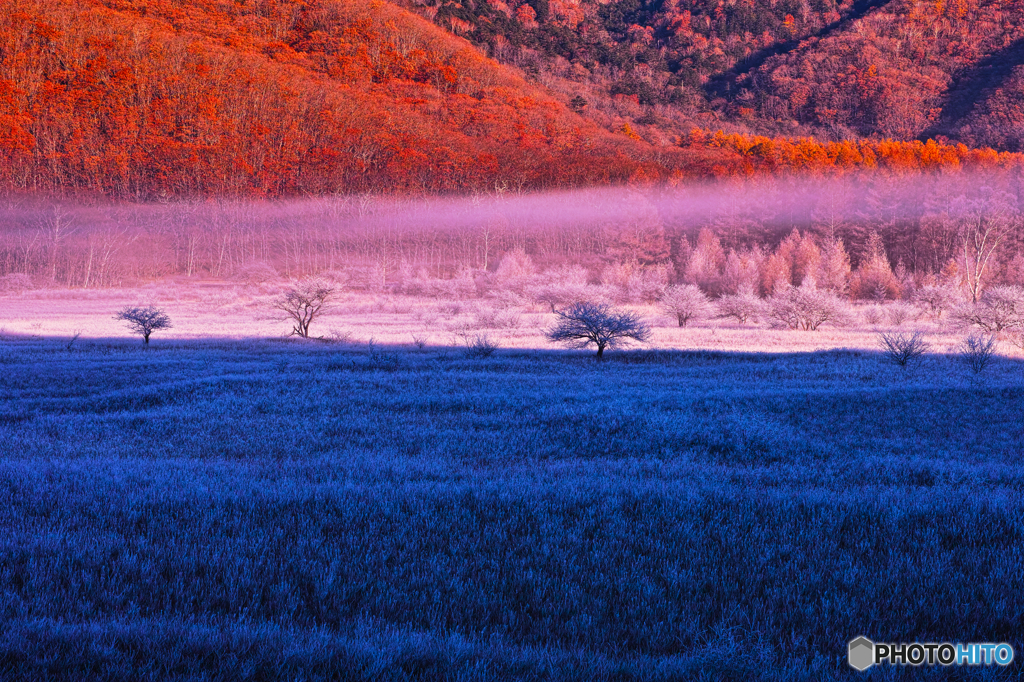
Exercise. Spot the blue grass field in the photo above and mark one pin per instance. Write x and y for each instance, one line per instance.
(285, 511)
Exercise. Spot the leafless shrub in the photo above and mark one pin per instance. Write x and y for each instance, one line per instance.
(420, 340)
(339, 336)
(977, 350)
(144, 320)
(903, 348)
(460, 287)
(583, 324)
(515, 271)
(872, 314)
(559, 294)
(686, 302)
(378, 358)
(937, 300)
(504, 299)
(449, 309)
(480, 346)
(742, 306)
(998, 308)
(897, 313)
(1015, 337)
(493, 319)
(806, 307)
(303, 302)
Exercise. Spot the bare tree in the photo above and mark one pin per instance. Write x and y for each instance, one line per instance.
(687, 302)
(998, 309)
(897, 312)
(902, 348)
(743, 306)
(583, 324)
(807, 308)
(937, 299)
(983, 226)
(144, 320)
(60, 224)
(303, 302)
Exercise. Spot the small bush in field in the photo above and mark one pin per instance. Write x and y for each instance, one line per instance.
(742, 306)
(340, 336)
(449, 309)
(897, 313)
(686, 302)
(480, 346)
(497, 319)
(420, 340)
(903, 348)
(144, 320)
(806, 307)
(976, 351)
(378, 358)
(583, 324)
(872, 314)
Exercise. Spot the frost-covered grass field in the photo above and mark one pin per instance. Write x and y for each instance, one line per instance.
(276, 510)
(226, 310)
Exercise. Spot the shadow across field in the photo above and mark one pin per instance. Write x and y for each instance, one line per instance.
(266, 510)
(973, 86)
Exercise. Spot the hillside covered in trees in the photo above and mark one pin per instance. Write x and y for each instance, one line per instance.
(137, 99)
(834, 69)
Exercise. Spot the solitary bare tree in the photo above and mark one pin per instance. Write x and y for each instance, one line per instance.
(582, 324)
(144, 320)
(303, 302)
(984, 224)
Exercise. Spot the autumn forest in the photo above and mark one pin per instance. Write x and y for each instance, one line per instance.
(133, 116)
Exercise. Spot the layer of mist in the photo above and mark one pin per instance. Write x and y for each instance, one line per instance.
(919, 221)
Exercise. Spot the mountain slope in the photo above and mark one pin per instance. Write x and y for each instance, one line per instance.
(139, 98)
(834, 69)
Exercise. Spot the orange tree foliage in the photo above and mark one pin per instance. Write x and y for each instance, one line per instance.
(809, 156)
(138, 98)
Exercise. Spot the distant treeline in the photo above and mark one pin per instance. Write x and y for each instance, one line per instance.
(862, 237)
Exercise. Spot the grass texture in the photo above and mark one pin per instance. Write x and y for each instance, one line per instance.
(282, 510)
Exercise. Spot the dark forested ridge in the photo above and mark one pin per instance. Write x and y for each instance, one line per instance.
(831, 69)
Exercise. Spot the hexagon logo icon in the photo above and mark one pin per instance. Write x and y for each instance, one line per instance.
(861, 654)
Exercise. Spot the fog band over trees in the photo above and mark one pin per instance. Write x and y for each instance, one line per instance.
(866, 238)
